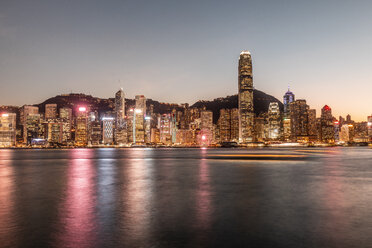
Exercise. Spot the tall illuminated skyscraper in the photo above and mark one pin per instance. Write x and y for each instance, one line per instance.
(287, 99)
(120, 106)
(120, 125)
(369, 124)
(327, 126)
(274, 119)
(81, 131)
(245, 95)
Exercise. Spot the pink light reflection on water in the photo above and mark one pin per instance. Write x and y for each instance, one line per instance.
(137, 197)
(77, 211)
(203, 195)
(7, 204)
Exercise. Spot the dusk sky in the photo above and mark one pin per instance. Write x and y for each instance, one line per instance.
(183, 51)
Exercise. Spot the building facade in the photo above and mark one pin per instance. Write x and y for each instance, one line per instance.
(245, 98)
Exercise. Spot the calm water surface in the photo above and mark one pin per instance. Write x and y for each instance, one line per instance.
(185, 198)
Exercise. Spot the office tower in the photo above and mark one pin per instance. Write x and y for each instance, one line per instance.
(245, 95)
(141, 103)
(120, 125)
(95, 133)
(148, 120)
(50, 111)
(32, 128)
(120, 105)
(369, 123)
(228, 125)
(287, 99)
(347, 133)
(274, 121)
(108, 130)
(337, 126)
(299, 120)
(361, 132)
(327, 127)
(261, 127)
(54, 132)
(27, 110)
(313, 133)
(7, 129)
(348, 119)
(81, 130)
(165, 129)
(206, 127)
(155, 135)
(65, 115)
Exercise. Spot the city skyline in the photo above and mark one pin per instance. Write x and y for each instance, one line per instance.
(187, 52)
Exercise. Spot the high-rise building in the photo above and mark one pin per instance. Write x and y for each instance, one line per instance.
(54, 132)
(206, 127)
(108, 130)
(32, 128)
(274, 121)
(228, 125)
(120, 124)
(313, 133)
(7, 129)
(299, 121)
(27, 110)
(165, 129)
(65, 115)
(245, 95)
(50, 111)
(139, 114)
(95, 132)
(141, 103)
(287, 99)
(327, 127)
(369, 123)
(81, 130)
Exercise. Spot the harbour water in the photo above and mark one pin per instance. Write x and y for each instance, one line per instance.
(298, 197)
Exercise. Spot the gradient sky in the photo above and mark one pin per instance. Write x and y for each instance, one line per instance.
(182, 51)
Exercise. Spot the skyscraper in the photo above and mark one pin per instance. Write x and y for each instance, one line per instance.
(50, 111)
(81, 131)
(287, 99)
(299, 120)
(120, 125)
(327, 128)
(7, 129)
(369, 123)
(245, 95)
(274, 118)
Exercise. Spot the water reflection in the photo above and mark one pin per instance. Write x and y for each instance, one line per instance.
(7, 191)
(77, 212)
(107, 194)
(137, 198)
(203, 196)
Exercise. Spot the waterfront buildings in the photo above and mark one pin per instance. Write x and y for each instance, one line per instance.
(120, 133)
(287, 99)
(245, 98)
(299, 121)
(7, 129)
(274, 121)
(369, 127)
(327, 126)
(81, 131)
